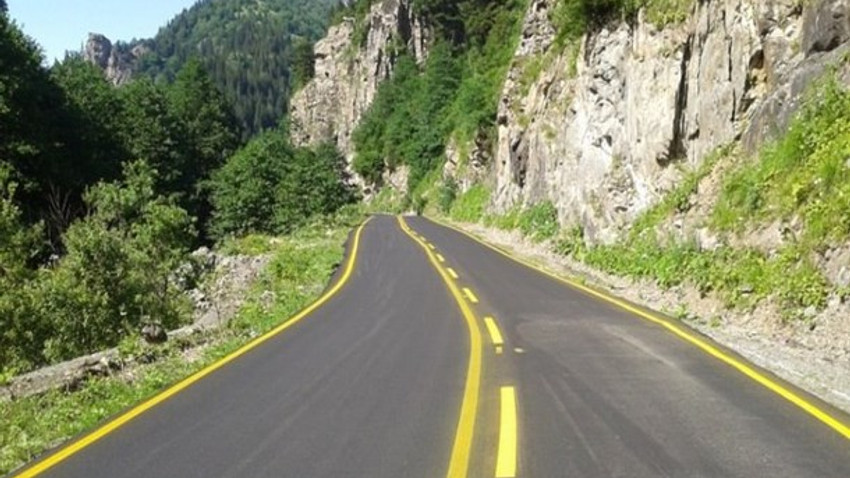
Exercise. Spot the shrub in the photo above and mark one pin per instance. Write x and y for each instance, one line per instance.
(269, 186)
(447, 194)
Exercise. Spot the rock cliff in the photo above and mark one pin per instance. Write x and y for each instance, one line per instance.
(602, 136)
(350, 63)
(605, 127)
(117, 61)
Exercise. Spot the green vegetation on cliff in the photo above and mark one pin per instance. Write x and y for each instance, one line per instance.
(455, 93)
(799, 184)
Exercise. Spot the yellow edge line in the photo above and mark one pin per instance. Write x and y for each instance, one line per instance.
(461, 450)
(452, 273)
(116, 423)
(495, 335)
(781, 390)
(470, 295)
(506, 461)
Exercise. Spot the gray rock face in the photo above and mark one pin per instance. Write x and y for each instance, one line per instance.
(347, 75)
(826, 25)
(601, 136)
(116, 61)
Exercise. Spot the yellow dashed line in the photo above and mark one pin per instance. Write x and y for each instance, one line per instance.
(493, 328)
(470, 295)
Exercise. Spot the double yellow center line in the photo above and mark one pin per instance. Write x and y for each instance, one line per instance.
(506, 461)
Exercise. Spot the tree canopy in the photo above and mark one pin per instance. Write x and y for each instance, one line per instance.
(248, 47)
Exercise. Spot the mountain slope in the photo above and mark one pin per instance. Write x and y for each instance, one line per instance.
(246, 45)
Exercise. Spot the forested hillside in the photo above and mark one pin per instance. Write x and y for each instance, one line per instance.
(248, 47)
(105, 190)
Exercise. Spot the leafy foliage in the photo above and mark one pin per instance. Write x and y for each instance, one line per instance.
(102, 192)
(114, 275)
(539, 222)
(573, 18)
(269, 186)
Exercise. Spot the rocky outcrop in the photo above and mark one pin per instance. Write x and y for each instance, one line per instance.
(348, 71)
(117, 61)
(603, 129)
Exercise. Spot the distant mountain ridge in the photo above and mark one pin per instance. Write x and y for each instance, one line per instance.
(248, 47)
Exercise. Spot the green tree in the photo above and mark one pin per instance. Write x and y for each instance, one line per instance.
(303, 63)
(314, 185)
(243, 189)
(19, 245)
(154, 132)
(93, 112)
(212, 130)
(247, 46)
(117, 272)
(269, 186)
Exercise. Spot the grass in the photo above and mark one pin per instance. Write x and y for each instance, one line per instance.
(539, 222)
(471, 205)
(804, 176)
(301, 266)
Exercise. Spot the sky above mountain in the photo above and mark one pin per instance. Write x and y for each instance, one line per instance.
(63, 25)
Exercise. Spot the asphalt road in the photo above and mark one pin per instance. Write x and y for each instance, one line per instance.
(398, 375)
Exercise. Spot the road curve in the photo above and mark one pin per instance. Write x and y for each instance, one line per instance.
(604, 393)
(368, 385)
(440, 357)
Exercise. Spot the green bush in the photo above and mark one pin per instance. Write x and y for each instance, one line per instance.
(269, 186)
(117, 273)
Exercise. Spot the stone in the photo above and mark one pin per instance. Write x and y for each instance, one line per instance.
(826, 25)
(116, 61)
(154, 334)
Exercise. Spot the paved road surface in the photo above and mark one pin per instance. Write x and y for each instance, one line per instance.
(398, 375)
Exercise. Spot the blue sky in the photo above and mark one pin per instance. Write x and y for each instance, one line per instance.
(60, 25)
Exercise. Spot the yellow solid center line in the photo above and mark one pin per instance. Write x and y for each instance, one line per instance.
(462, 448)
(493, 328)
(506, 461)
(470, 295)
(441, 258)
(452, 273)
